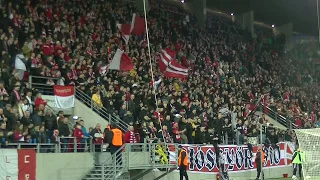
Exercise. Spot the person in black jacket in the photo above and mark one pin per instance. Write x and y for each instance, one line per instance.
(64, 132)
(201, 136)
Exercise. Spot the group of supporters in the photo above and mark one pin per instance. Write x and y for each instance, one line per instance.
(228, 71)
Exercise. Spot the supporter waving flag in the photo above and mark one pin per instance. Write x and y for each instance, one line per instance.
(137, 25)
(121, 61)
(169, 67)
(125, 30)
(176, 70)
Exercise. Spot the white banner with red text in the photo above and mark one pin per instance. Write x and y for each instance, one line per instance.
(64, 96)
(17, 164)
(237, 158)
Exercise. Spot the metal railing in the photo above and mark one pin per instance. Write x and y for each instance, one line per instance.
(130, 155)
(103, 112)
(286, 122)
(39, 82)
(63, 145)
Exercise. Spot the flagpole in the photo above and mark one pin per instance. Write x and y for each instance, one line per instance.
(151, 69)
(318, 21)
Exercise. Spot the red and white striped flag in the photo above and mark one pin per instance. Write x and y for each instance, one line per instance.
(169, 67)
(125, 30)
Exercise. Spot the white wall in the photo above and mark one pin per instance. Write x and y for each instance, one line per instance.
(63, 166)
(276, 172)
(90, 117)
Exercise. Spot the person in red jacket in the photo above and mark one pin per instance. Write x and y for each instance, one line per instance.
(130, 136)
(39, 101)
(77, 133)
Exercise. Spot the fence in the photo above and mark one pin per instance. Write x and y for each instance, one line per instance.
(41, 84)
(62, 145)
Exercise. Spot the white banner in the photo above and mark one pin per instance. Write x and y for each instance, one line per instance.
(64, 96)
(9, 164)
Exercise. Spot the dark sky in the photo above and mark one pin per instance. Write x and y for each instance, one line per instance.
(302, 13)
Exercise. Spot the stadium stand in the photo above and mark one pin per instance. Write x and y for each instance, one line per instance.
(229, 73)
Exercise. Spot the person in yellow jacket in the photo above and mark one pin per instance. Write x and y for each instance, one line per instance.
(297, 159)
(96, 99)
(183, 163)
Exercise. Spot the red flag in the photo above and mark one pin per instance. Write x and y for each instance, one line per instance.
(137, 25)
(121, 61)
(125, 31)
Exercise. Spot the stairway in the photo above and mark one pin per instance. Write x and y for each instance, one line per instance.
(103, 112)
(284, 121)
(137, 157)
(114, 168)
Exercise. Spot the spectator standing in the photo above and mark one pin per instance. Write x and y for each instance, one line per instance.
(115, 141)
(50, 122)
(259, 161)
(97, 135)
(19, 135)
(183, 163)
(78, 135)
(130, 136)
(96, 99)
(85, 134)
(64, 132)
(38, 101)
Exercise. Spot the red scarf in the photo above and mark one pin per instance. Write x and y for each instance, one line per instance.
(17, 95)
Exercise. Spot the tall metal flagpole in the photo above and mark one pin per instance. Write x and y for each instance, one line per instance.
(318, 21)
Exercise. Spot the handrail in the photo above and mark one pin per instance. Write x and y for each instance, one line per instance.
(84, 98)
(70, 144)
(279, 118)
(103, 112)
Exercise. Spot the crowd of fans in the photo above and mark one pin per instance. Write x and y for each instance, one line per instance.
(228, 72)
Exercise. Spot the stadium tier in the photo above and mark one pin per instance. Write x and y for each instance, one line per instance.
(109, 89)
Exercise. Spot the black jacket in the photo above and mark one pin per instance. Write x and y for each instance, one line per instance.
(64, 130)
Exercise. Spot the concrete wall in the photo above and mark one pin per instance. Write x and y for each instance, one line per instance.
(287, 30)
(63, 166)
(276, 172)
(199, 8)
(90, 117)
(246, 21)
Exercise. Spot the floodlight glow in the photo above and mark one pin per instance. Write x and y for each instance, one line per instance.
(182, 1)
(272, 25)
(231, 14)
